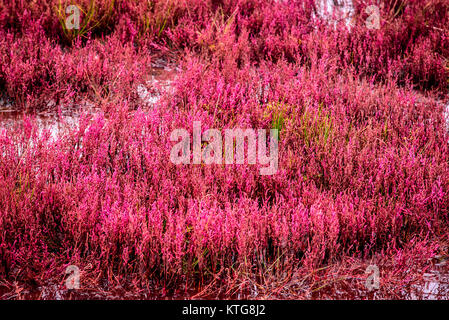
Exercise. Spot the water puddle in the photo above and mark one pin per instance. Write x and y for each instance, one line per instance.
(161, 81)
(53, 120)
(58, 118)
(432, 285)
(335, 11)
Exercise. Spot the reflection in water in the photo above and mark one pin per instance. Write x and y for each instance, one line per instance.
(58, 118)
(51, 119)
(433, 285)
(161, 80)
(335, 11)
(447, 116)
(59, 292)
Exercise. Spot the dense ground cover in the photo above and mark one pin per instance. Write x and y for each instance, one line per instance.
(363, 145)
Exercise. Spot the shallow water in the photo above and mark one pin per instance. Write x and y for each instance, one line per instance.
(334, 11)
(51, 119)
(433, 285)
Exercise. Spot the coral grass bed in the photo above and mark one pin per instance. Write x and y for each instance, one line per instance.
(363, 173)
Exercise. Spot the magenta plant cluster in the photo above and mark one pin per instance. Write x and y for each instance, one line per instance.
(363, 138)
